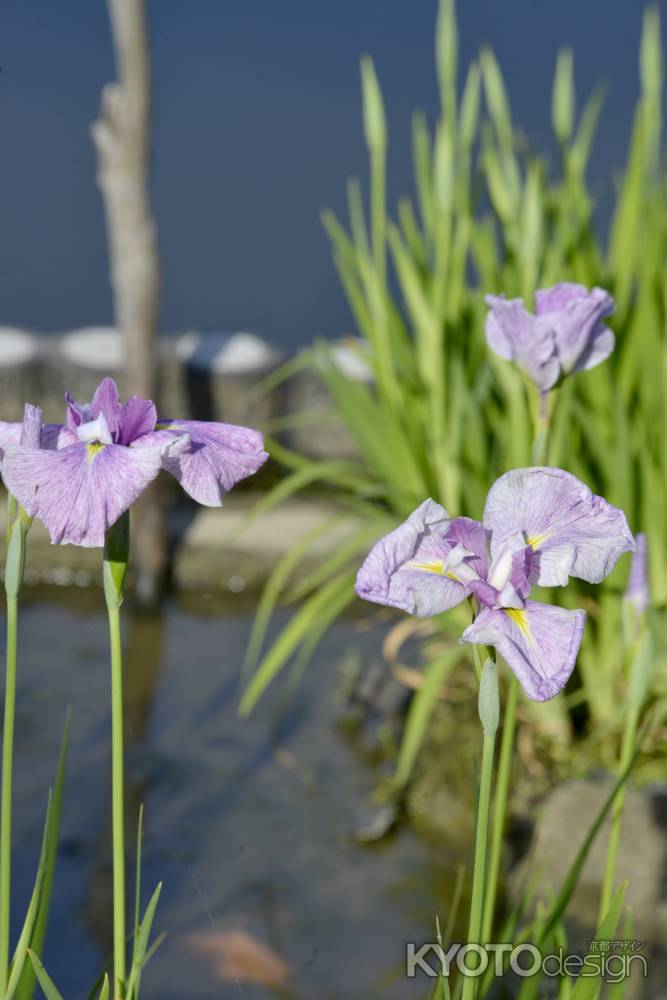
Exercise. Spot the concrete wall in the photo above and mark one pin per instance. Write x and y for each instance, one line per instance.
(202, 377)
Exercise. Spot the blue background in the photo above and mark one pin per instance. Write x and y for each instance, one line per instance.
(257, 127)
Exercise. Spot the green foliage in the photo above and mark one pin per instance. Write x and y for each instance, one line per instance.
(421, 708)
(21, 984)
(443, 416)
(141, 951)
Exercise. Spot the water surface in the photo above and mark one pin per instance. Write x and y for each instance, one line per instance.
(248, 824)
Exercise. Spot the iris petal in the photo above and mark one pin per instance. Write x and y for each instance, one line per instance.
(571, 531)
(81, 490)
(575, 315)
(539, 642)
(218, 457)
(517, 336)
(426, 565)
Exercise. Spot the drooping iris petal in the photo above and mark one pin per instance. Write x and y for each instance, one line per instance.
(137, 417)
(539, 642)
(572, 531)
(81, 490)
(425, 565)
(219, 456)
(575, 314)
(517, 336)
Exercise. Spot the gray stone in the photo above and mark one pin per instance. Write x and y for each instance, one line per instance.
(20, 364)
(85, 357)
(561, 823)
(219, 376)
(322, 433)
(216, 550)
(221, 551)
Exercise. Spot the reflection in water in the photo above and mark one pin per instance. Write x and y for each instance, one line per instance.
(249, 825)
(141, 669)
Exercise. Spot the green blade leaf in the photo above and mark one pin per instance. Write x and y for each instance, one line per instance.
(26, 985)
(420, 712)
(21, 951)
(563, 99)
(43, 978)
(139, 957)
(588, 987)
(375, 125)
(340, 589)
(570, 883)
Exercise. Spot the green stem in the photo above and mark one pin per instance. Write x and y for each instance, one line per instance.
(17, 529)
(542, 427)
(627, 750)
(117, 800)
(116, 554)
(6, 802)
(500, 806)
(489, 717)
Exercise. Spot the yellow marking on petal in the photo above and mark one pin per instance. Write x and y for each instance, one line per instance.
(427, 567)
(164, 425)
(92, 448)
(520, 619)
(537, 540)
(518, 616)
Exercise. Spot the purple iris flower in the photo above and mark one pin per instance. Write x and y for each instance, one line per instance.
(566, 334)
(540, 526)
(638, 593)
(85, 473)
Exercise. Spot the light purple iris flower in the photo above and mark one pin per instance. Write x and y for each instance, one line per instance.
(566, 334)
(82, 475)
(540, 526)
(638, 592)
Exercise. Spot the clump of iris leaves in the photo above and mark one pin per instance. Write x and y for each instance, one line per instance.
(443, 416)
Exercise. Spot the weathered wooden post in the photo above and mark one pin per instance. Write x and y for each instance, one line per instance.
(122, 138)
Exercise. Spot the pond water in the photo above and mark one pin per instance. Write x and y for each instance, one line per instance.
(248, 824)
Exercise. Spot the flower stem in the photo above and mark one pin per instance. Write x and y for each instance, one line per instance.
(639, 655)
(487, 683)
(117, 799)
(116, 553)
(6, 806)
(500, 806)
(627, 749)
(542, 428)
(16, 535)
